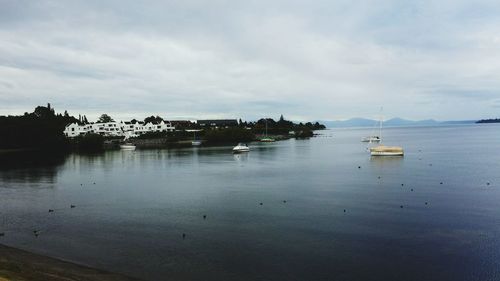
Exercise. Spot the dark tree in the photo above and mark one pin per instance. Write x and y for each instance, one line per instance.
(105, 119)
(153, 119)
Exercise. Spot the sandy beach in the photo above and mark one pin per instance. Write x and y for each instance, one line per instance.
(19, 265)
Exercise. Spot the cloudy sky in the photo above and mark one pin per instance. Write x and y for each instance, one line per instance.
(308, 60)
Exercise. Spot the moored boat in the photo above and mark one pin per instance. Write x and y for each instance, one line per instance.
(371, 139)
(241, 148)
(383, 150)
(127, 146)
(266, 138)
(196, 143)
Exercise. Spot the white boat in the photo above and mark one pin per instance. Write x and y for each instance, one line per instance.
(371, 139)
(127, 146)
(195, 142)
(374, 138)
(241, 148)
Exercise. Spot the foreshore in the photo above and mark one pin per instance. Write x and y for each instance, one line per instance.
(19, 265)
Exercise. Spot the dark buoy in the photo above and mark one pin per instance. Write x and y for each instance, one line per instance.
(50, 210)
(430, 164)
(261, 203)
(425, 203)
(183, 235)
(401, 206)
(204, 217)
(359, 167)
(284, 201)
(378, 177)
(402, 184)
(36, 232)
(487, 183)
(94, 182)
(72, 206)
(2, 234)
(441, 183)
(344, 210)
(412, 189)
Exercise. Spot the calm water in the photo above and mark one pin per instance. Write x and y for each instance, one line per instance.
(132, 219)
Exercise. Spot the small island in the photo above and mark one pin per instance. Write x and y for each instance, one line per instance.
(487, 121)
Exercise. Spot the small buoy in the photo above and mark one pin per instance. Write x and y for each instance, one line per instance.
(261, 203)
(50, 210)
(204, 216)
(401, 206)
(359, 167)
(81, 184)
(2, 234)
(487, 183)
(183, 235)
(430, 164)
(94, 182)
(284, 201)
(36, 232)
(441, 183)
(402, 184)
(344, 210)
(412, 189)
(425, 203)
(379, 177)
(72, 206)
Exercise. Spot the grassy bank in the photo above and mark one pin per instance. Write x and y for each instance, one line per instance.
(18, 265)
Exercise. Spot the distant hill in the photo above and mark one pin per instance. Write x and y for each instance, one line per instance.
(394, 122)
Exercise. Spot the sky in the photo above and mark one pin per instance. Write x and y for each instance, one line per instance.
(307, 60)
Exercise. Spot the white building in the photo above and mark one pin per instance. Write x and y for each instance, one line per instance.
(117, 129)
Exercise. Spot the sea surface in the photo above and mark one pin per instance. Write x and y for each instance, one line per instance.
(314, 209)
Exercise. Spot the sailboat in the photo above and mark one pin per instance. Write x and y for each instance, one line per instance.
(382, 150)
(266, 138)
(195, 142)
(374, 138)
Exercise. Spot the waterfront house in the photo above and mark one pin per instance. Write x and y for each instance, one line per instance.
(117, 129)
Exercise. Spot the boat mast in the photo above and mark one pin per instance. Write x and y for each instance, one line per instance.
(266, 128)
(380, 125)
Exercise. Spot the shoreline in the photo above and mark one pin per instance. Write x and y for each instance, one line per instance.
(20, 265)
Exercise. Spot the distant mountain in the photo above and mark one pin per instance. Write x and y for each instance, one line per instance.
(394, 122)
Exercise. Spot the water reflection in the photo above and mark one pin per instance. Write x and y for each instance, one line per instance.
(30, 167)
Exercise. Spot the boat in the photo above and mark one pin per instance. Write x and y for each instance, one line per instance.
(266, 138)
(195, 142)
(383, 150)
(371, 139)
(375, 138)
(127, 146)
(241, 148)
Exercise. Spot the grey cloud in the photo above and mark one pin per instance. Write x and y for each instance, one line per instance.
(309, 60)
